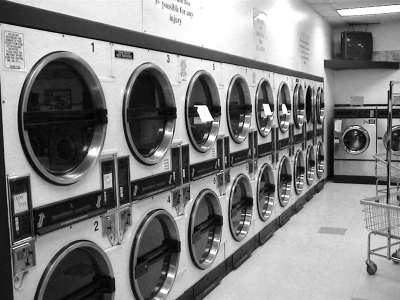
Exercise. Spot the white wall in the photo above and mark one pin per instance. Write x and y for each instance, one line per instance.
(372, 85)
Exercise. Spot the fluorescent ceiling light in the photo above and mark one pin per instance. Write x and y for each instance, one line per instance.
(370, 10)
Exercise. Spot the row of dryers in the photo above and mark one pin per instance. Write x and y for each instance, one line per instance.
(130, 170)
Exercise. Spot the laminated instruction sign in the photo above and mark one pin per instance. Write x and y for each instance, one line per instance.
(14, 57)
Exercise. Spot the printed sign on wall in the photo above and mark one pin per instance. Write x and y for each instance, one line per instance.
(259, 30)
(304, 49)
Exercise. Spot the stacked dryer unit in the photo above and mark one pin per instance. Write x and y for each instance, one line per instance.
(264, 142)
(309, 132)
(239, 201)
(283, 139)
(298, 141)
(61, 167)
(320, 145)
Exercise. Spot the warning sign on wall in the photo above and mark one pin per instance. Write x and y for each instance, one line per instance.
(14, 50)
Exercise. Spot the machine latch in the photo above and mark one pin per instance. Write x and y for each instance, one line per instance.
(125, 221)
(109, 228)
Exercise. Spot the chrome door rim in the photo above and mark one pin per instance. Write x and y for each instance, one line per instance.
(170, 224)
(311, 105)
(265, 214)
(284, 119)
(287, 186)
(169, 127)
(264, 131)
(215, 101)
(96, 91)
(310, 165)
(320, 160)
(246, 223)
(364, 132)
(247, 119)
(320, 105)
(216, 239)
(57, 259)
(298, 98)
(386, 139)
(299, 179)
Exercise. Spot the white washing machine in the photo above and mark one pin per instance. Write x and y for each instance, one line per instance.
(284, 187)
(202, 238)
(264, 114)
(238, 209)
(238, 107)
(284, 110)
(382, 136)
(148, 261)
(62, 185)
(198, 97)
(145, 81)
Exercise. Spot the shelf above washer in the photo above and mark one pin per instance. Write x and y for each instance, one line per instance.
(343, 64)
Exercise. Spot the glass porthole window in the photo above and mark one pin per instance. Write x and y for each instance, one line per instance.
(205, 229)
(239, 109)
(79, 271)
(284, 107)
(284, 181)
(264, 107)
(310, 165)
(266, 192)
(299, 106)
(149, 113)
(355, 139)
(299, 172)
(320, 105)
(62, 117)
(155, 256)
(240, 207)
(309, 105)
(395, 140)
(203, 111)
(320, 160)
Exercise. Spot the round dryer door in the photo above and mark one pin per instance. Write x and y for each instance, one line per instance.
(310, 105)
(205, 229)
(266, 192)
(320, 105)
(284, 107)
(155, 256)
(395, 140)
(62, 117)
(320, 160)
(79, 271)
(355, 139)
(299, 172)
(239, 109)
(264, 107)
(240, 207)
(284, 181)
(299, 106)
(310, 165)
(149, 113)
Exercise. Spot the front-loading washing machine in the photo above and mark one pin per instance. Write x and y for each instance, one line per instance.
(311, 165)
(355, 142)
(61, 166)
(145, 110)
(238, 209)
(148, 261)
(310, 102)
(198, 98)
(202, 238)
(284, 188)
(299, 166)
(382, 136)
(284, 111)
(299, 108)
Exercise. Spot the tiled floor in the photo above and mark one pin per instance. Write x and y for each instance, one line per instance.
(301, 263)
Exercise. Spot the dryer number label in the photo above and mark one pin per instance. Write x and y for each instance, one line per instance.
(20, 203)
(14, 57)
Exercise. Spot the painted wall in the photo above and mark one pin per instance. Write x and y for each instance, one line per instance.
(372, 85)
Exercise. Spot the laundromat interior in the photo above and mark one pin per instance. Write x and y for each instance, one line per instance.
(199, 149)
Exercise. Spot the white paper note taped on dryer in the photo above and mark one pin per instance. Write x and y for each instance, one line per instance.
(266, 110)
(20, 203)
(204, 114)
(338, 125)
(107, 181)
(284, 109)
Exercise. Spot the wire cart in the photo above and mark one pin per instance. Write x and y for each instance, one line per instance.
(382, 212)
